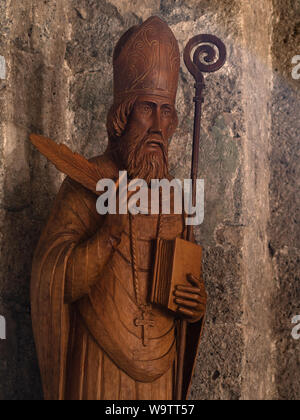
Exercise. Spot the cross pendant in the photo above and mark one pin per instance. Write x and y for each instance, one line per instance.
(145, 323)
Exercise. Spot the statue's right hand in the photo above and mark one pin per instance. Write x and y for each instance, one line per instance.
(115, 224)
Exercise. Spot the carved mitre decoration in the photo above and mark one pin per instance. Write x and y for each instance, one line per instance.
(146, 61)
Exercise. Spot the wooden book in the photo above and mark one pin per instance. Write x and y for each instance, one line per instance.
(174, 260)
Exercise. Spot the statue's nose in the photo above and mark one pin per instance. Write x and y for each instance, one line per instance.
(156, 124)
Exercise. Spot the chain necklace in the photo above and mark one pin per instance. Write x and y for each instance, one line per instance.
(145, 321)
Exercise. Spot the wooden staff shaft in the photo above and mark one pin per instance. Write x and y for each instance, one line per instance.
(207, 45)
(194, 172)
(195, 156)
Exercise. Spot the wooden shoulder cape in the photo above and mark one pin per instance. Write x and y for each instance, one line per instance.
(73, 219)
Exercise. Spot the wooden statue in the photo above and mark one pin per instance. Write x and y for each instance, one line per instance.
(97, 334)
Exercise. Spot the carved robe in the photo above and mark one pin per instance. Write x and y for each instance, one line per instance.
(89, 343)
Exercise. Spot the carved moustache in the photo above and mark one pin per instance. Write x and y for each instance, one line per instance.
(158, 140)
(143, 163)
(140, 152)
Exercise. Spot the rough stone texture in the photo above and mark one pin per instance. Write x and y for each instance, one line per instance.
(59, 82)
(284, 232)
(257, 289)
(33, 98)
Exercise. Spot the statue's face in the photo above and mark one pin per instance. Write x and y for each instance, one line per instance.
(145, 141)
(154, 116)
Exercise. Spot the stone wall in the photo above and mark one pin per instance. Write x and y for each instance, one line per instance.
(283, 229)
(58, 82)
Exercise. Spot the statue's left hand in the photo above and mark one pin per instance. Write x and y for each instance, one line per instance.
(191, 300)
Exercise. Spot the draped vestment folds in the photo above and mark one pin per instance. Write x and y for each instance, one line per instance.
(88, 344)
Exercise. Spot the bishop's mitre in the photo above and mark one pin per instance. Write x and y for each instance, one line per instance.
(146, 61)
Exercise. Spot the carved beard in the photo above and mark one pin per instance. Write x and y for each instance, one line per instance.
(141, 163)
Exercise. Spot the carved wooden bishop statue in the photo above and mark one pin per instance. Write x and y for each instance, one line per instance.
(97, 335)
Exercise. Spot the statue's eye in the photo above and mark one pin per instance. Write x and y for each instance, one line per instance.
(146, 108)
(166, 112)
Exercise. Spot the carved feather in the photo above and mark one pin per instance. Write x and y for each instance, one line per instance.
(72, 164)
